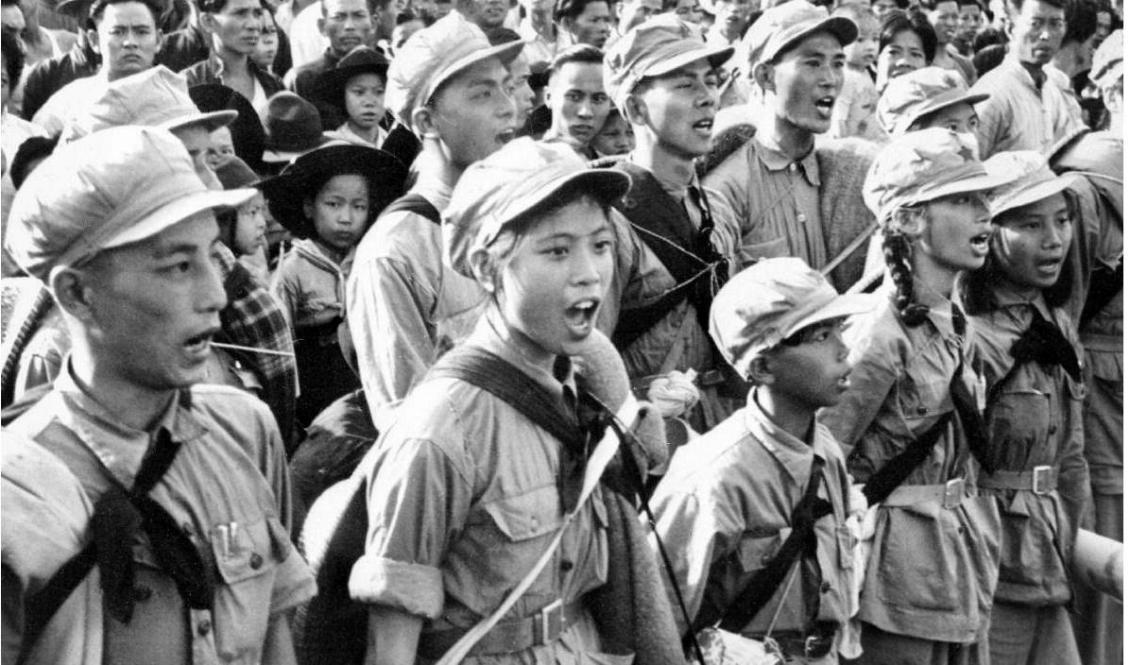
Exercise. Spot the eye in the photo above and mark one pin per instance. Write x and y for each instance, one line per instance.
(603, 246)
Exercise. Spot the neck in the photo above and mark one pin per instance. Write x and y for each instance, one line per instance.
(795, 142)
(370, 134)
(331, 252)
(111, 75)
(532, 352)
(234, 62)
(786, 412)
(434, 161)
(137, 406)
(673, 171)
(929, 275)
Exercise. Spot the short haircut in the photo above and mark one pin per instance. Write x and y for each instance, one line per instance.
(573, 8)
(1082, 17)
(215, 6)
(914, 21)
(13, 58)
(901, 4)
(857, 12)
(988, 58)
(931, 5)
(989, 37)
(29, 152)
(1014, 6)
(582, 53)
(99, 8)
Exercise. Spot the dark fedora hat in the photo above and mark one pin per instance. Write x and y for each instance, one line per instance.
(293, 127)
(361, 60)
(247, 132)
(287, 192)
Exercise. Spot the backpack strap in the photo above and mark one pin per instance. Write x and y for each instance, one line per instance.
(415, 203)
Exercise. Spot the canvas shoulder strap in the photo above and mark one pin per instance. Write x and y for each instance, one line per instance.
(415, 203)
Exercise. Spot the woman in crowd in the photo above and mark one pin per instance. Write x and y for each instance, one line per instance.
(906, 42)
(910, 420)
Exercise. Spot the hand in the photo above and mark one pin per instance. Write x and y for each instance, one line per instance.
(674, 394)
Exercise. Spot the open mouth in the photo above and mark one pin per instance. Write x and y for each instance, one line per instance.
(505, 136)
(980, 243)
(1049, 266)
(581, 315)
(824, 105)
(704, 125)
(197, 346)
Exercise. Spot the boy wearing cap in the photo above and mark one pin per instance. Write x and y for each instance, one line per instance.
(790, 198)
(731, 501)
(676, 243)
(186, 480)
(928, 97)
(346, 24)
(405, 307)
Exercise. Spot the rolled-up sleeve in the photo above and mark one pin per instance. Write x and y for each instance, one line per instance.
(418, 500)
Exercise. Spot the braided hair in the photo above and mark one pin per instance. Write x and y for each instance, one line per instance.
(897, 253)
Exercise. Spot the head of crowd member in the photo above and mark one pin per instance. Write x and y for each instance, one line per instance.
(1104, 22)
(863, 52)
(450, 86)
(881, 8)
(1077, 47)
(487, 14)
(126, 35)
(665, 83)
(221, 147)
(154, 98)
(928, 97)
(688, 11)
(347, 24)
(29, 156)
(384, 17)
(796, 61)
(121, 229)
(1031, 233)
(13, 67)
(945, 16)
(357, 86)
(778, 324)
(244, 137)
(732, 17)
(969, 23)
(293, 128)
(407, 24)
(906, 42)
(520, 90)
(927, 189)
(575, 96)
(264, 54)
(12, 21)
(541, 8)
(586, 21)
(443, 8)
(506, 212)
(1035, 29)
(234, 25)
(635, 12)
(616, 137)
(242, 229)
(1106, 73)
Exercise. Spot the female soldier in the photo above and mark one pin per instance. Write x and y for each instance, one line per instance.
(910, 420)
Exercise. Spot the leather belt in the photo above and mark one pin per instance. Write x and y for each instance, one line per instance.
(508, 636)
(816, 644)
(1043, 479)
(948, 494)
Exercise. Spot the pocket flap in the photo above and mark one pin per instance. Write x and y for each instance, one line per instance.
(528, 515)
(243, 549)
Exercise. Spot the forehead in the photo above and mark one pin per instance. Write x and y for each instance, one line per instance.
(587, 75)
(906, 39)
(820, 44)
(581, 216)
(594, 9)
(233, 6)
(1038, 8)
(192, 233)
(487, 71)
(696, 68)
(123, 13)
(949, 7)
(336, 6)
(345, 183)
(364, 78)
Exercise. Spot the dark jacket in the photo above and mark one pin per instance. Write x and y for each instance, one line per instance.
(208, 71)
(46, 77)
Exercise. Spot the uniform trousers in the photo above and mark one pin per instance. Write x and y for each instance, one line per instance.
(1024, 635)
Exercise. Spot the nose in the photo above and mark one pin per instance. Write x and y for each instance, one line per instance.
(1057, 235)
(586, 266)
(585, 110)
(212, 297)
(840, 347)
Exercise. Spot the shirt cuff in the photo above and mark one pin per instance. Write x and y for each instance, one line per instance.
(410, 587)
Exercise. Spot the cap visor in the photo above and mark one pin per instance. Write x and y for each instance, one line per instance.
(504, 52)
(937, 104)
(838, 307)
(178, 211)
(1030, 195)
(975, 184)
(606, 185)
(213, 120)
(715, 56)
(842, 27)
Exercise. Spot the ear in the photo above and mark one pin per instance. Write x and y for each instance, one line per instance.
(762, 75)
(72, 291)
(635, 111)
(160, 39)
(423, 123)
(761, 370)
(92, 37)
(322, 26)
(483, 268)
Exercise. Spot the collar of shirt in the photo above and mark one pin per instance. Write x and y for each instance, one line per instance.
(527, 32)
(793, 454)
(1006, 298)
(775, 160)
(120, 447)
(488, 335)
(428, 184)
(1017, 69)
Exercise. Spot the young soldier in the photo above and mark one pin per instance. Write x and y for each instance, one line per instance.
(676, 246)
(784, 192)
(189, 485)
(724, 509)
(404, 306)
(576, 98)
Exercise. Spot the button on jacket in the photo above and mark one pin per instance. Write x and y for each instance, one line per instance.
(230, 472)
(725, 509)
(932, 570)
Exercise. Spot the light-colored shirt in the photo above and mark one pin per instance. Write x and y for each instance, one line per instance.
(307, 43)
(726, 507)
(899, 388)
(69, 102)
(854, 111)
(1017, 116)
(405, 306)
(346, 133)
(230, 470)
(775, 200)
(463, 498)
(538, 48)
(46, 523)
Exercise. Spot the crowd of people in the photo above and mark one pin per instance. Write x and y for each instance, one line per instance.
(573, 331)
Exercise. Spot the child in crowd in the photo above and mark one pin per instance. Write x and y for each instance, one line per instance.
(357, 86)
(911, 416)
(616, 137)
(854, 111)
(244, 229)
(327, 198)
(757, 505)
(268, 47)
(928, 97)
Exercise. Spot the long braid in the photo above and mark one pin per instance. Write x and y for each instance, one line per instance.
(897, 252)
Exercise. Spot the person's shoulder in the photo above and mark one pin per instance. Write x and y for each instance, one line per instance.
(697, 464)
(850, 151)
(731, 147)
(232, 404)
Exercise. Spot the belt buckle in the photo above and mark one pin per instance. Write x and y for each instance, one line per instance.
(817, 646)
(551, 622)
(954, 493)
(1042, 479)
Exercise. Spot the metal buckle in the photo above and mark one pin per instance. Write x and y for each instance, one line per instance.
(817, 646)
(954, 493)
(1042, 479)
(552, 622)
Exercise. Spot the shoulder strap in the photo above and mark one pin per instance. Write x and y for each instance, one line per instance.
(760, 588)
(413, 202)
(1105, 285)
